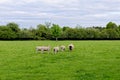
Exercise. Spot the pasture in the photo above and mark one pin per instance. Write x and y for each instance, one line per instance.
(90, 60)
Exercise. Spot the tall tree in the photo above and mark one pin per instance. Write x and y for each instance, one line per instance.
(56, 31)
(6, 33)
(14, 27)
(42, 30)
(111, 25)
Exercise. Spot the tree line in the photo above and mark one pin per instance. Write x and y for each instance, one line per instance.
(48, 31)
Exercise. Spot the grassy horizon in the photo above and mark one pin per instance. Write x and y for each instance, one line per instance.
(90, 60)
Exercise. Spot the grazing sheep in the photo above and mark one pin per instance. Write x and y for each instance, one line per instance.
(42, 48)
(56, 49)
(62, 47)
(71, 47)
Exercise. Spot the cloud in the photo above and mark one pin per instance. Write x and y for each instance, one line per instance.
(4, 1)
(71, 13)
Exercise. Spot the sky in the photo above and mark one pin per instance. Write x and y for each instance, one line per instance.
(85, 13)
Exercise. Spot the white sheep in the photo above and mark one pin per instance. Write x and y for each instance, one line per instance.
(42, 48)
(56, 49)
(71, 47)
(62, 47)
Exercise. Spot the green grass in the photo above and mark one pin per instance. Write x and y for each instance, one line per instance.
(90, 60)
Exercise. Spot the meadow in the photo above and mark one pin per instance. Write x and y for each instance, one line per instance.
(90, 60)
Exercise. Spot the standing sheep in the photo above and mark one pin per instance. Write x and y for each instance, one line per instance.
(42, 48)
(56, 49)
(62, 47)
(71, 47)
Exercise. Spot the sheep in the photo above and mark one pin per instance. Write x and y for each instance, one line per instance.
(42, 48)
(71, 47)
(56, 49)
(62, 47)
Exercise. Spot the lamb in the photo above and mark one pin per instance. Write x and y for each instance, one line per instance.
(56, 49)
(62, 47)
(71, 47)
(42, 48)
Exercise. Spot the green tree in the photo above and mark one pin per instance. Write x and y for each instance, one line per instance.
(56, 31)
(112, 30)
(82, 33)
(25, 34)
(42, 30)
(6, 33)
(92, 33)
(33, 33)
(14, 27)
(111, 25)
(112, 33)
(65, 28)
(71, 33)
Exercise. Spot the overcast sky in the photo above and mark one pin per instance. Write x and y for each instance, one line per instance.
(30, 13)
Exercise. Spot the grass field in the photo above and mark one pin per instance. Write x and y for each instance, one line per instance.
(90, 60)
